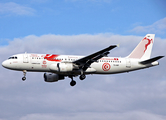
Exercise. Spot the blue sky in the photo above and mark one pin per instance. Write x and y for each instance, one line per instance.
(82, 27)
(73, 17)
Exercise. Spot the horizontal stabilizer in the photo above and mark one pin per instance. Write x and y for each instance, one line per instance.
(151, 60)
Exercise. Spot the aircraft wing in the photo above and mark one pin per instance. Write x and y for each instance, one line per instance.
(85, 62)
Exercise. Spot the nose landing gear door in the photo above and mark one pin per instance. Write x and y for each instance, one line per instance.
(25, 58)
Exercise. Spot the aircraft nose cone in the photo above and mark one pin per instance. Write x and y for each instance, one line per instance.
(4, 63)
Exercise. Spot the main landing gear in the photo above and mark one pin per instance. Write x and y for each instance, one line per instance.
(82, 77)
(73, 83)
(24, 73)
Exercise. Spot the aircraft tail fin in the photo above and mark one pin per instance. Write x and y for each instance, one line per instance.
(144, 48)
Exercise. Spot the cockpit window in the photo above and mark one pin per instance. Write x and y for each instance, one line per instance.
(11, 58)
(14, 57)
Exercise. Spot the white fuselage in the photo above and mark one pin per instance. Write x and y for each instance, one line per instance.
(47, 63)
(57, 67)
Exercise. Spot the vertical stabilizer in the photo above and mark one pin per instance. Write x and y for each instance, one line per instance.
(144, 48)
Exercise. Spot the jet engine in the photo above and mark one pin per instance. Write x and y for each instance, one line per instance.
(62, 67)
(52, 77)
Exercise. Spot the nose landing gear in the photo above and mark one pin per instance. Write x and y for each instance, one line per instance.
(24, 73)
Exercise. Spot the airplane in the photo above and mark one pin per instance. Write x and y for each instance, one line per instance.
(57, 67)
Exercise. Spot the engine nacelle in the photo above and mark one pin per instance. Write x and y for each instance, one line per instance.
(52, 77)
(62, 67)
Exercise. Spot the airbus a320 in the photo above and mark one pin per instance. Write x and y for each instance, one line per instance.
(57, 67)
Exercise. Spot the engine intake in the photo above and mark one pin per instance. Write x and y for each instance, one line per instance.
(52, 77)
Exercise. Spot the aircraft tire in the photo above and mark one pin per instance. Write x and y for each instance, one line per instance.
(23, 78)
(82, 77)
(72, 83)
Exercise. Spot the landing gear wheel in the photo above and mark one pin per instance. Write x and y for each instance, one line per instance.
(23, 78)
(72, 83)
(82, 77)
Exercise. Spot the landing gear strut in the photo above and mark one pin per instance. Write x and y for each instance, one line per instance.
(24, 73)
(72, 83)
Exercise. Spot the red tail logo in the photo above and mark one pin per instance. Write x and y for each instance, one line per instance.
(149, 42)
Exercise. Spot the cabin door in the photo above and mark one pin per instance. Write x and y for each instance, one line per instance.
(128, 63)
(25, 58)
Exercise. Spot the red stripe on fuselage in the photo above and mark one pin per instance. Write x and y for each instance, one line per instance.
(52, 57)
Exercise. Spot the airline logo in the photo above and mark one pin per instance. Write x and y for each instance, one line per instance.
(106, 66)
(149, 42)
(141, 48)
(44, 62)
